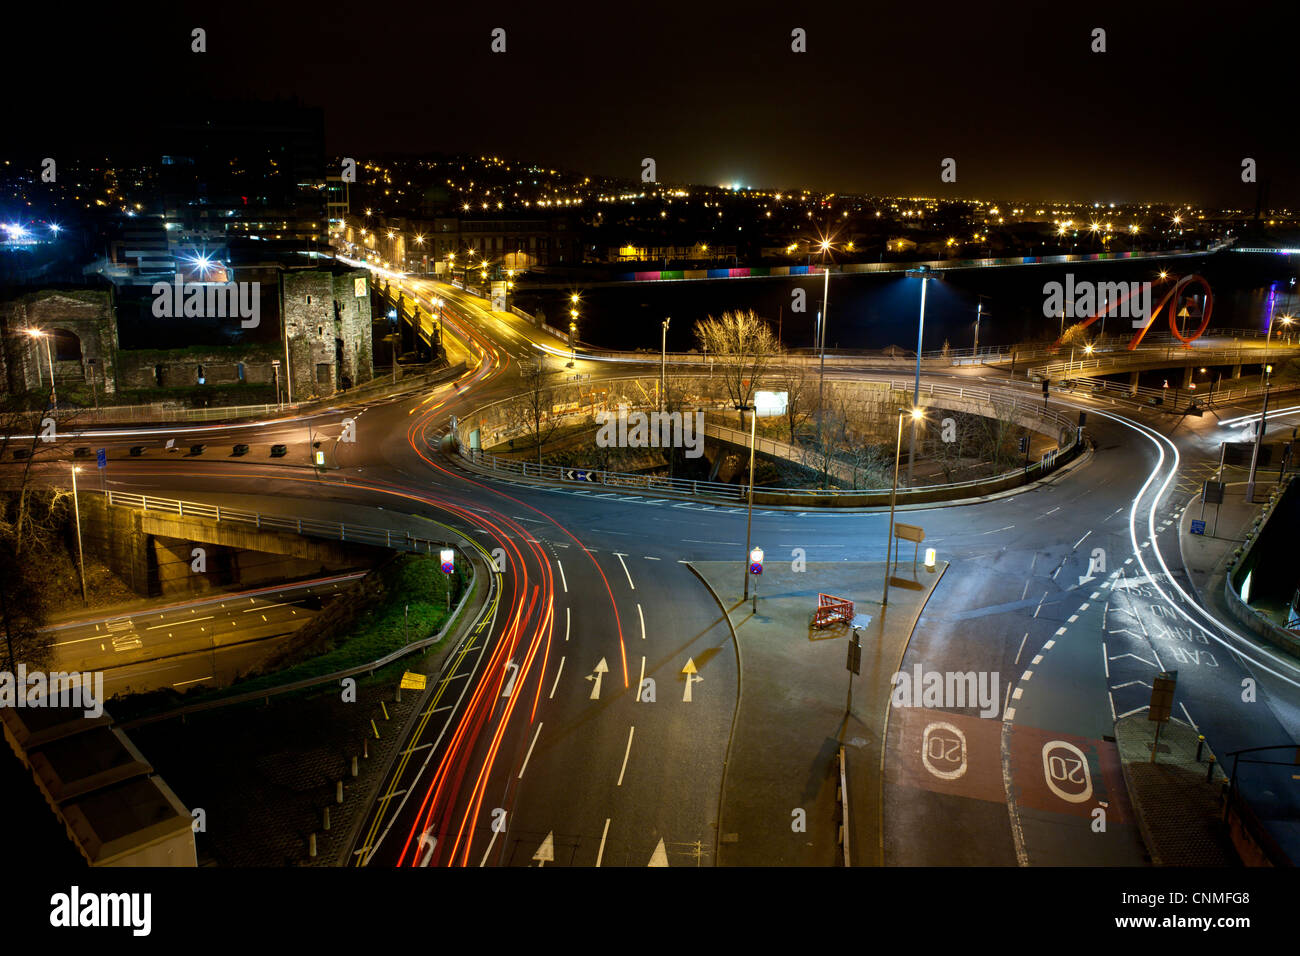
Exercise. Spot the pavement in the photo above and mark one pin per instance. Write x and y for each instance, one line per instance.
(783, 763)
(1177, 799)
(1206, 556)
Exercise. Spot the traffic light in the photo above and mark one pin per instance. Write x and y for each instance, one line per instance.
(1044, 388)
(1024, 444)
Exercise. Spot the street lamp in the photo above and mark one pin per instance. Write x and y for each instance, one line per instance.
(1259, 435)
(916, 415)
(749, 520)
(81, 557)
(924, 274)
(40, 334)
(663, 362)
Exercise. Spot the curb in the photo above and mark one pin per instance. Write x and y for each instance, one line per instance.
(884, 732)
(726, 761)
(1077, 462)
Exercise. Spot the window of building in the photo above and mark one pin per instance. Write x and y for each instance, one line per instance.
(323, 374)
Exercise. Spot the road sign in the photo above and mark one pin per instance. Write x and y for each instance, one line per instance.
(1083, 419)
(576, 474)
(1198, 527)
(756, 561)
(909, 532)
(1024, 444)
(1212, 492)
(1162, 696)
(412, 681)
(101, 458)
(855, 654)
(448, 558)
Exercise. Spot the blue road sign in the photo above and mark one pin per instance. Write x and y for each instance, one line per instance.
(1198, 527)
(101, 458)
(755, 568)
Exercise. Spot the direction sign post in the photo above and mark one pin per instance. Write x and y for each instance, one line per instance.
(1162, 704)
(854, 665)
(913, 533)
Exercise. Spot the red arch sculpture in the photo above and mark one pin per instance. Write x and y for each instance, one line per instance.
(1170, 298)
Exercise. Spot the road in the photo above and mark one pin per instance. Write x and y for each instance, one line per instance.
(539, 746)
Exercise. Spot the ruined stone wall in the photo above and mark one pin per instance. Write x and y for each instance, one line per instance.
(85, 313)
(322, 309)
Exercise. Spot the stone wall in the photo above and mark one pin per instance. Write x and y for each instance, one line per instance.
(180, 369)
(85, 313)
(327, 320)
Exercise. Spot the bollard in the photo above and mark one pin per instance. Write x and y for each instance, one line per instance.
(1209, 769)
(311, 846)
(354, 765)
(365, 749)
(338, 792)
(1200, 743)
(326, 824)
(397, 699)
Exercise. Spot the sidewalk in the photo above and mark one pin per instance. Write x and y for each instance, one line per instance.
(791, 720)
(1206, 556)
(1178, 811)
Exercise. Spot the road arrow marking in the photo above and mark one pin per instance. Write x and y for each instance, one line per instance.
(426, 843)
(691, 678)
(513, 669)
(601, 669)
(660, 856)
(546, 852)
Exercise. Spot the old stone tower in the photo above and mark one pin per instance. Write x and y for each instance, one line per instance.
(327, 322)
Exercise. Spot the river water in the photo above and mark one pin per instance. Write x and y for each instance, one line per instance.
(873, 311)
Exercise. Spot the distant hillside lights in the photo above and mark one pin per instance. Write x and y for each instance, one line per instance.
(208, 300)
(1084, 300)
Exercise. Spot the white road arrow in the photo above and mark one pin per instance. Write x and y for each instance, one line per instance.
(546, 852)
(660, 856)
(509, 689)
(601, 669)
(426, 844)
(691, 678)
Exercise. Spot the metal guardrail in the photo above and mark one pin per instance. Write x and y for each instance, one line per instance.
(1124, 360)
(305, 683)
(310, 527)
(1144, 394)
(568, 475)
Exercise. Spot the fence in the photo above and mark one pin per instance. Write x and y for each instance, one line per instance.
(1067, 435)
(310, 527)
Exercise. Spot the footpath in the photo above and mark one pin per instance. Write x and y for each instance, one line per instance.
(784, 796)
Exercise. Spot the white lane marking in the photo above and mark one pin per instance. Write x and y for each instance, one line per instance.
(625, 570)
(566, 623)
(630, 732)
(601, 854)
(996, 530)
(1189, 717)
(1040, 604)
(640, 682)
(531, 746)
(563, 581)
(1022, 646)
(1104, 662)
(188, 620)
(1081, 540)
(558, 672)
(642, 617)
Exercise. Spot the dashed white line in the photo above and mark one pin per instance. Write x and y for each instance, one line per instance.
(600, 855)
(625, 570)
(559, 564)
(531, 746)
(559, 671)
(630, 732)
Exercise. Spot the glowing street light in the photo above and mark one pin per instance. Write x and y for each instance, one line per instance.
(41, 334)
(916, 415)
(81, 556)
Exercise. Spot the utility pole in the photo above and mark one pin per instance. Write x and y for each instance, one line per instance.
(749, 520)
(663, 363)
(1259, 440)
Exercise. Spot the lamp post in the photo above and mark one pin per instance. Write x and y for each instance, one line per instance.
(275, 368)
(663, 362)
(821, 347)
(81, 557)
(1259, 436)
(917, 415)
(749, 520)
(924, 274)
(40, 334)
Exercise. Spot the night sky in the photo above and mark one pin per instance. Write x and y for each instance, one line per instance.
(713, 92)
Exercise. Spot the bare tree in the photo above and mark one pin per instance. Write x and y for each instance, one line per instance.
(793, 378)
(743, 346)
(536, 402)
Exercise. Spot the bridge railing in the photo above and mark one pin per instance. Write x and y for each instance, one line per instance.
(309, 527)
(1066, 433)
